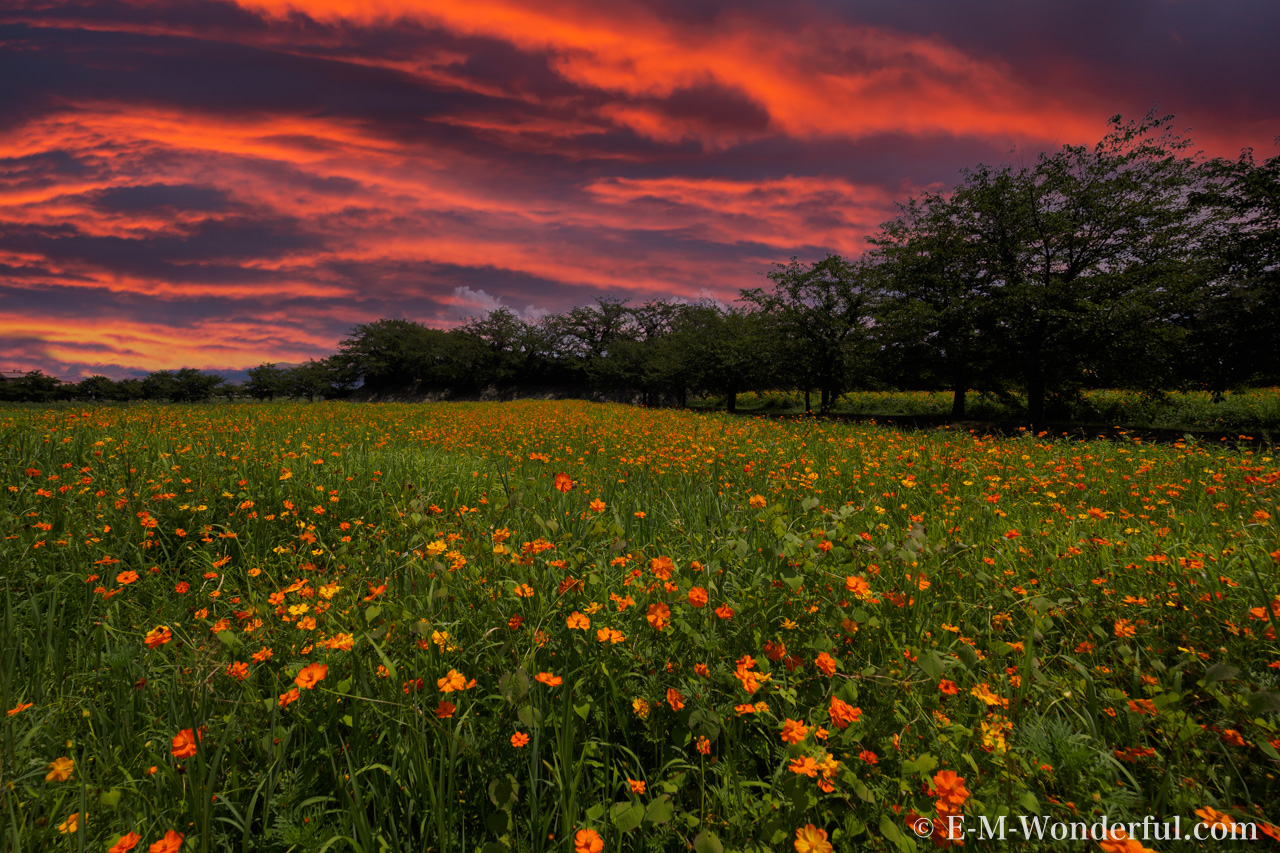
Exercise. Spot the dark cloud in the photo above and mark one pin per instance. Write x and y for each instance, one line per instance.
(157, 198)
(201, 254)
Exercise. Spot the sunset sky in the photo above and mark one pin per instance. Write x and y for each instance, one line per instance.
(215, 184)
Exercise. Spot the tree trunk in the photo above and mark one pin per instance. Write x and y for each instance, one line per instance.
(733, 402)
(957, 401)
(683, 398)
(808, 409)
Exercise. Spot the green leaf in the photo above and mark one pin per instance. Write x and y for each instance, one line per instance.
(707, 842)
(498, 822)
(110, 799)
(386, 661)
(1263, 703)
(890, 830)
(660, 810)
(627, 816)
(1220, 672)
(529, 715)
(229, 639)
(502, 792)
(372, 613)
(932, 664)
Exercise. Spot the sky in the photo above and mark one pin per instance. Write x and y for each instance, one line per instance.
(221, 183)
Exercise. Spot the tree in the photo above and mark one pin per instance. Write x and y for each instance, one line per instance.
(194, 386)
(310, 379)
(159, 385)
(1234, 325)
(391, 356)
(726, 351)
(1079, 249)
(821, 315)
(34, 387)
(97, 388)
(266, 381)
(935, 316)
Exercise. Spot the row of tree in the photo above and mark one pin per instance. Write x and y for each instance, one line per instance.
(1132, 263)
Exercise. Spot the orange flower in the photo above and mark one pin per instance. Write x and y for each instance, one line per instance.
(519, 739)
(261, 654)
(702, 669)
(19, 708)
(805, 765)
(757, 502)
(675, 699)
(842, 713)
(126, 842)
(238, 670)
(858, 585)
(184, 744)
(158, 636)
(1214, 818)
(810, 839)
(950, 788)
(794, 731)
(698, 597)
(454, 681)
(445, 709)
(287, 698)
(587, 841)
(60, 770)
(948, 687)
(637, 787)
(311, 675)
(549, 679)
(125, 578)
(724, 611)
(577, 621)
(171, 843)
(827, 664)
(659, 615)
(1118, 841)
(71, 824)
(1124, 628)
(563, 482)
(662, 567)
(609, 635)
(703, 745)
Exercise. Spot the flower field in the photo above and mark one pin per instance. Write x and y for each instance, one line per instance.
(566, 626)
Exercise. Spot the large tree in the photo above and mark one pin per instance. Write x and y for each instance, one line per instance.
(1234, 326)
(820, 317)
(1081, 251)
(935, 317)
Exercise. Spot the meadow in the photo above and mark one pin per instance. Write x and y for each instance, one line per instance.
(1255, 410)
(555, 626)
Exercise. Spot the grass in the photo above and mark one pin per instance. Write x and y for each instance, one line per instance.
(395, 627)
(1256, 409)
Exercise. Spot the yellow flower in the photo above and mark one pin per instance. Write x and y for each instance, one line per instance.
(810, 839)
(71, 824)
(60, 770)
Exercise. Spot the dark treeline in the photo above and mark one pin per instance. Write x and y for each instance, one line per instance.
(1130, 264)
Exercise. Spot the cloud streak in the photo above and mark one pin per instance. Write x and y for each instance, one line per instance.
(216, 183)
